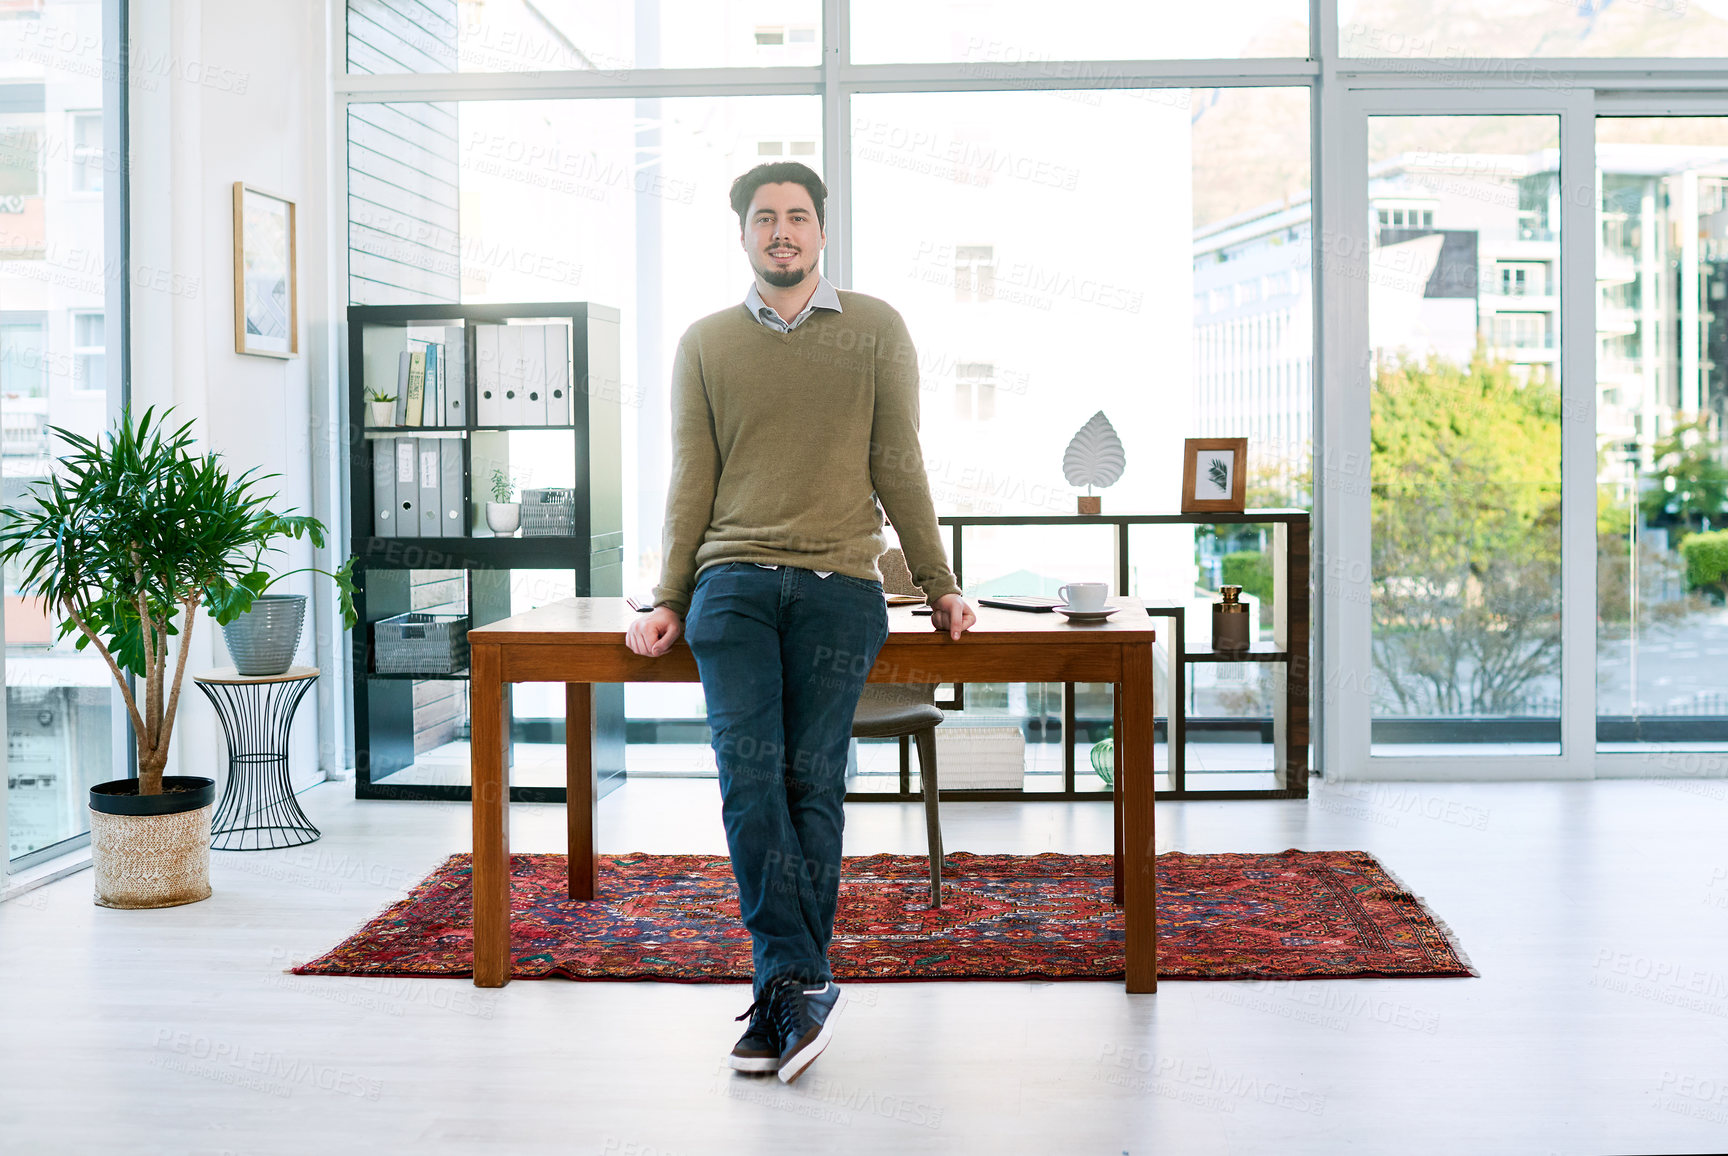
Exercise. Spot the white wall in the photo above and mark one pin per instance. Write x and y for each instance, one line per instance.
(227, 90)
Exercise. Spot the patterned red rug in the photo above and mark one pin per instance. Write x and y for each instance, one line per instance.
(1291, 915)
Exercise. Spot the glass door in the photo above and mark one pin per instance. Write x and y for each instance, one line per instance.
(1456, 254)
(1661, 331)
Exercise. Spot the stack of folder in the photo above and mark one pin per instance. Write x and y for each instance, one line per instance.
(522, 375)
(417, 488)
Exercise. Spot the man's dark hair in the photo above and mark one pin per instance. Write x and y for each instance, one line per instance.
(780, 173)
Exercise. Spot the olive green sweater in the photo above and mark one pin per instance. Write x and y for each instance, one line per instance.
(787, 448)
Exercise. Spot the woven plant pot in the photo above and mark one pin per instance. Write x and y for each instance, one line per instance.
(151, 850)
(263, 640)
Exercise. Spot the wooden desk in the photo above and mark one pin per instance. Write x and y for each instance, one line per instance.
(580, 641)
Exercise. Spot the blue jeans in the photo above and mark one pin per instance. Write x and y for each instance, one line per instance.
(783, 656)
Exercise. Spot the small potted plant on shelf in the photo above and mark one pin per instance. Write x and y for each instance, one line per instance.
(381, 408)
(502, 515)
(125, 541)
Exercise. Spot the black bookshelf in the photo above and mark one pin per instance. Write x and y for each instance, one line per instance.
(384, 704)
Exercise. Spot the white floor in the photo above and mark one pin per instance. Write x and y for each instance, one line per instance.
(1597, 913)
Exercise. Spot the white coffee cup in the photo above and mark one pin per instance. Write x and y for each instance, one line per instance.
(1084, 595)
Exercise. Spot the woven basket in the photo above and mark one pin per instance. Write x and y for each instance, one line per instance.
(420, 643)
(549, 513)
(151, 860)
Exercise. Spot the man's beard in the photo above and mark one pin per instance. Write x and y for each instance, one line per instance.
(782, 278)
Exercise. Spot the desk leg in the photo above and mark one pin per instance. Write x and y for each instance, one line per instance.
(1116, 794)
(1136, 788)
(490, 734)
(579, 788)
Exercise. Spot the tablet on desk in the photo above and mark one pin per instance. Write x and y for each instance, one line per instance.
(1033, 602)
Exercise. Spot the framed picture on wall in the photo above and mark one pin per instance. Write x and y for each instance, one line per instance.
(266, 291)
(1214, 475)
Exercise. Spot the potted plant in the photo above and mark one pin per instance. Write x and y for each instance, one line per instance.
(125, 542)
(262, 630)
(502, 515)
(382, 407)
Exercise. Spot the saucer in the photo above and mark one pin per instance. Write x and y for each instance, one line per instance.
(1085, 615)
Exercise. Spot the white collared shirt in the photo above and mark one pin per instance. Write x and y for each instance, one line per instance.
(824, 298)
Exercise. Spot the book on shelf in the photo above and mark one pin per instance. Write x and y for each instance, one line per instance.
(402, 366)
(432, 413)
(416, 386)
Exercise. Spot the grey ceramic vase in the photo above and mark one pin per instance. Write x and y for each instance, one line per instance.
(263, 640)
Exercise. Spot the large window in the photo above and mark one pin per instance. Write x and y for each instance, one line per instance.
(1119, 212)
(54, 344)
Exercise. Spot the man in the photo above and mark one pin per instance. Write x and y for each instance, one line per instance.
(791, 417)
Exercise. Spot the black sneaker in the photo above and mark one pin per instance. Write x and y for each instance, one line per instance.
(758, 1049)
(803, 1018)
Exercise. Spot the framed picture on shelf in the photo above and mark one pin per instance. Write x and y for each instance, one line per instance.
(266, 291)
(1214, 475)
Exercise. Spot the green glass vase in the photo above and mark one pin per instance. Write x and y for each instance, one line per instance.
(1103, 758)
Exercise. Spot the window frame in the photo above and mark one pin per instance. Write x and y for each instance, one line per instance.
(115, 197)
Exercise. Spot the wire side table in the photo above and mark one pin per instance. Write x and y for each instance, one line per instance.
(258, 811)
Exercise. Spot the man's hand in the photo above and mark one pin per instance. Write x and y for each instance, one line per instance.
(951, 613)
(654, 633)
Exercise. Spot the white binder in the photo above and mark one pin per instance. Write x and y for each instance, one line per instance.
(488, 393)
(515, 409)
(534, 374)
(558, 410)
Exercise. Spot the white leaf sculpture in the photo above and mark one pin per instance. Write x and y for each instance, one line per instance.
(1095, 456)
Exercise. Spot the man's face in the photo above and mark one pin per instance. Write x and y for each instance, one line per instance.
(781, 235)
